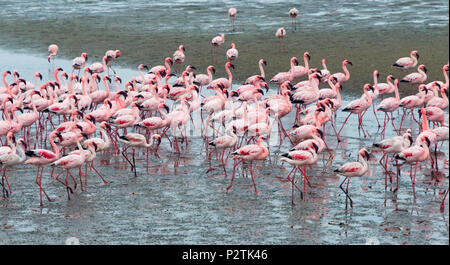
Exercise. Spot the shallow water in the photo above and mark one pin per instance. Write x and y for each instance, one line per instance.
(173, 200)
(372, 34)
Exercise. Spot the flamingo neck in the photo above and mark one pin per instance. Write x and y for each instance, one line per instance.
(363, 161)
(306, 62)
(168, 69)
(425, 123)
(55, 148)
(230, 76)
(4, 81)
(375, 80)
(324, 65)
(106, 86)
(261, 69)
(347, 73)
(446, 78)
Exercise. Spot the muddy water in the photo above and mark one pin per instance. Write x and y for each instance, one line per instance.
(174, 201)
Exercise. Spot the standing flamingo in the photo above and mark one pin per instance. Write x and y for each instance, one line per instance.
(232, 53)
(111, 55)
(343, 77)
(354, 169)
(250, 153)
(52, 51)
(280, 34)
(293, 13)
(407, 62)
(232, 12)
(41, 157)
(299, 158)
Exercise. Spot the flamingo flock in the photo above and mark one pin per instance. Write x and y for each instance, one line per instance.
(89, 110)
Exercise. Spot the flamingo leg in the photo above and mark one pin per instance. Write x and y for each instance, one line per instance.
(232, 176)
(253, 178)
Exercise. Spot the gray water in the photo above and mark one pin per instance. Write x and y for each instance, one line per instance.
(372, 34)
(173, 200)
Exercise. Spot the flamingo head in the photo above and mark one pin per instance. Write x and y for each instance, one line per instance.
(264, 84)
(423, 68)
(107, 78)
(294, 60)
(123, 93)
(165, 107)
(306, 55)
(211, 68)
(143, 66)
(181, 48)
(446, 67)
(415, 54)
(7, 72)
(376, 73)
(319, 132)
(169, 60)
(262, 61)
(118, 79)
(363, 152)
(345, 62)
(117, 53)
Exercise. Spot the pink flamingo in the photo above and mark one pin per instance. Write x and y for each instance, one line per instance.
(229, 140)
(98, 67)
(232, 12)
(343, 77)
(99, 96)
(418, 77)
(226, 83)
(68, 162)
(415, 154)
(393, 146)
(301, 70)
(325, 73)
(280, 34)
(13, 159)
(203, 79)
(232, 53)
(134, 140)
(282, 77)
(298, 158)
(250, 153)
(252, 78)
(407, 62)
(293, 13)
(111, 55)
(357, 107)
(52, 51)
(389, 105)
(354, 169)
(163, 69)
(41, 157)
(437, 101)
(178, 56)
(79, 62)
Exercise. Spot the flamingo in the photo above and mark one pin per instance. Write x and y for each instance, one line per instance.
(280, 34)
(252, 78)
(203, 79)
(415, 154)
(298, 158)
(437, 101)
(216, 42)
(226, 83)
(232, 53)
(300, 70)
(407, 62)
(68, 162)
(418, 77)
(13, 159)
(354, 169)
(98, 67)
(389, 105)
(250, 153)
(52, 51)
(293, 13)
(282, 77)
(232, 12)
(42, 157)
(134, 140)
(325, 73)
(111, 55)
(79, 62)
(224, 142)
(393, 146)
(358, 106)
(343, 77)
(178, 56)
